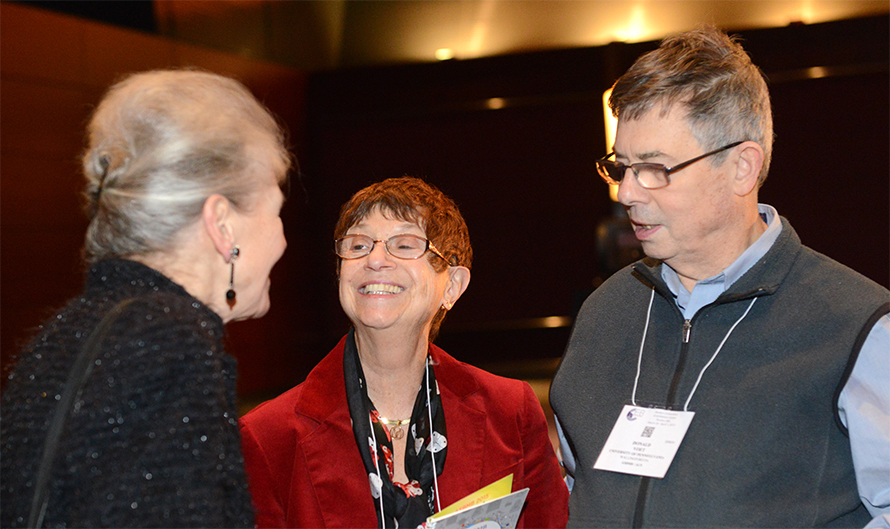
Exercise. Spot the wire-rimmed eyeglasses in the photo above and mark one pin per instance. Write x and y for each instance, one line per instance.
(648, 175)
(404, 246)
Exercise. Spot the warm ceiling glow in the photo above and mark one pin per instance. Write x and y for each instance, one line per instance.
(816, 72)
(482, 25)
(495, 103)
(635, 29)
(551, 322)
(409, 31)
(479, 28)
(611, 122)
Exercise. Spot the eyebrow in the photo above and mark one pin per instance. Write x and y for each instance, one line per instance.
(642, 156)
(649, 155)
(401, 229)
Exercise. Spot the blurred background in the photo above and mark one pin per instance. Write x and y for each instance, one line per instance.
(499, 103)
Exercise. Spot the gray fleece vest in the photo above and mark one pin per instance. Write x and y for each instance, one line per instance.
(765, 448)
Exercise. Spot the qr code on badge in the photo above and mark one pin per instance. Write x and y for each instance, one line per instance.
(647, 431)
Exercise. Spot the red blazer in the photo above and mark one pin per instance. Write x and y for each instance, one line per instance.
(305, 469)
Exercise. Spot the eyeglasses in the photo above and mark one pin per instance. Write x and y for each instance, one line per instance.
(400, 246)
(648, 175)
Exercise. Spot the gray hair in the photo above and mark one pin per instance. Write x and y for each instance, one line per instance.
(708, 72)
(160, 143)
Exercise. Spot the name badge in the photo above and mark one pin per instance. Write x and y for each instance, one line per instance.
(644, 441)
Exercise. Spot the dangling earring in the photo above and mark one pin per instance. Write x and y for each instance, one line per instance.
(230, 294)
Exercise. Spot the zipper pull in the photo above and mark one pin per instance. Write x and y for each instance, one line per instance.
(687, 330)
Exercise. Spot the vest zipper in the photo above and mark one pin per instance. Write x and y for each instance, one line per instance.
(643, 491)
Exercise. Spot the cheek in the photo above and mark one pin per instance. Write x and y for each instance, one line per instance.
(344, 288)
(433, 287)
(275, 243)
(706, 212)
(277, 230)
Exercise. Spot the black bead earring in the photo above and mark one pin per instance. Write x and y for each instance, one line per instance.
(230, 294)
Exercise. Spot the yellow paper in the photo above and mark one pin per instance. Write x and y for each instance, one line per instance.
(498, 489)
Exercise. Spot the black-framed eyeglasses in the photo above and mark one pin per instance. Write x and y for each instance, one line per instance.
(401, 246)
(648, 175)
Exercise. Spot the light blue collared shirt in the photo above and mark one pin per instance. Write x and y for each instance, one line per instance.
(864, 403)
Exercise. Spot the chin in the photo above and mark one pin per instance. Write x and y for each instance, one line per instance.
(370, 324)
(258, 311)
(263, 309)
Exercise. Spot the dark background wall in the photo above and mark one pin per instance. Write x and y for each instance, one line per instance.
(53, 71)
(522, 174)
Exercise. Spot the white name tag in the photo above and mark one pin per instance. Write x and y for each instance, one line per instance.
(644, 441)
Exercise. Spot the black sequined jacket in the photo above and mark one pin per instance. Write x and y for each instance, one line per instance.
(153, 439)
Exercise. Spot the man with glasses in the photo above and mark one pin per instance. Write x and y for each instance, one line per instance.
(735, 377)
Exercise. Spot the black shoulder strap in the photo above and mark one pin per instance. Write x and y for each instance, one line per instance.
(80, 371)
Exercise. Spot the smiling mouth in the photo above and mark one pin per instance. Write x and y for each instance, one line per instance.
(380, 288)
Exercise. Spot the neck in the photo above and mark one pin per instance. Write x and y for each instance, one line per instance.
(198, 276)
(393, 370)
(731, 248)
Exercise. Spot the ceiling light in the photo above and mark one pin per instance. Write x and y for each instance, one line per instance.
(495, 103)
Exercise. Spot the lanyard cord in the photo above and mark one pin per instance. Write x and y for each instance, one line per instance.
(432, 453)
(633, 397)
(738, 321)
(379, 475)
(429, 410)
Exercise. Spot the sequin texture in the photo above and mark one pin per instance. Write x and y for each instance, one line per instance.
(146, 444)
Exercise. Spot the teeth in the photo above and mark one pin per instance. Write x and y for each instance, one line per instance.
(380, 288)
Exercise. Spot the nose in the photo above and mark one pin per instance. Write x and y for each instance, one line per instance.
(379, 257)
(629, 190)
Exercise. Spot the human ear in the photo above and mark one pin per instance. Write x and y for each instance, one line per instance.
(216, 216)
(458, 280)
(748, 166)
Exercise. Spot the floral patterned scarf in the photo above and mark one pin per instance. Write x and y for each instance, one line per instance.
(404, 504)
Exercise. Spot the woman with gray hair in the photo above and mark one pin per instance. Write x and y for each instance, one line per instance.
(121, 411)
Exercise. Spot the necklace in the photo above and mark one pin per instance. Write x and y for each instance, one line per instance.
(395, 426)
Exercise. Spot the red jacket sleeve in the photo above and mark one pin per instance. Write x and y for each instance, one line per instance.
(548, 497)
(263, 487)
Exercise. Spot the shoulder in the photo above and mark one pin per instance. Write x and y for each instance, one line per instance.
(273, 413)
(816, 273)
(632, 280)
(626, 290)
(834, 291)
(321, 397)
(168, 311)
(170, 330)
(471, 384)
(834, 274)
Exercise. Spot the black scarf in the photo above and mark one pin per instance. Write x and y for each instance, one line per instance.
(409, 505)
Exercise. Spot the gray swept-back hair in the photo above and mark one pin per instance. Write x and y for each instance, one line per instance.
(710, 74)
(159, 144)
